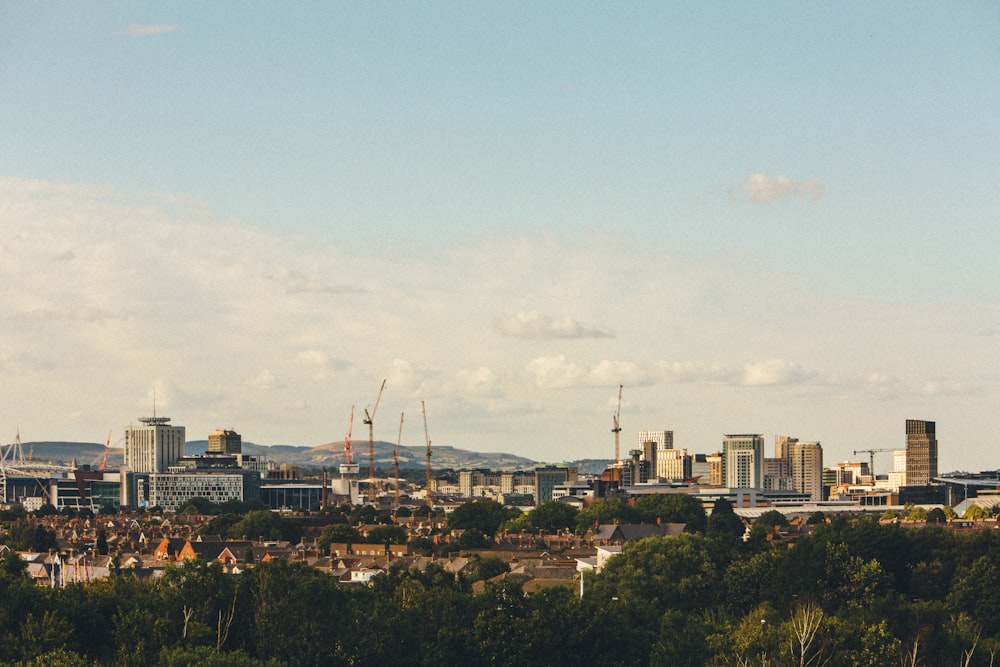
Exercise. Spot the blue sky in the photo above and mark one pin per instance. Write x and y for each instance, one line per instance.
(770, 217)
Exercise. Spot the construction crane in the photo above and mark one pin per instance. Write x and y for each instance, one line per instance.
(427, 487)
(871, 457)
(370, 420)
(617, 430)
(347, 440)
(104, 459)
(395, 461)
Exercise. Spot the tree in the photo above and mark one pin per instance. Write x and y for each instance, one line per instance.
(552, 516)
(483, 516)
(605, 510)
(485, 568)
(976, 513)
(340, 533)
(672, 508)
(937, 515)
(387, 535)
(723, 522)
(259, 524)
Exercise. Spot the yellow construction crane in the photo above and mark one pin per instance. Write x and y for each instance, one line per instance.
(395, 461)
(427, 488)
(871, 457)
(617, 430)
(370, 420)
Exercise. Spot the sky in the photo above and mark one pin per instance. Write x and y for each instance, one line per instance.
(774, 217)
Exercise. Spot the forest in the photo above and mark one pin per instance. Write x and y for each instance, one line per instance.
(855, 592)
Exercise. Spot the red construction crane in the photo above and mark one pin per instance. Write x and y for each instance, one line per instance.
(104, 459)
(370, 420)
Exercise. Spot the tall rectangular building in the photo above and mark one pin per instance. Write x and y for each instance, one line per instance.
(921, 452)
(225, 442)
(650, 442)
(154, 446)
(743, 461)
(806, 468)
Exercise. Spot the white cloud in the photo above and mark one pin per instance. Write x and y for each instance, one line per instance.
(532, 325)
(103, 294)
(763, 189)
(263, 380)
(143, 30)
(775, 372)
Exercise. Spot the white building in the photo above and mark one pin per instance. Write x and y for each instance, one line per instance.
(154, 446)
(743, 461)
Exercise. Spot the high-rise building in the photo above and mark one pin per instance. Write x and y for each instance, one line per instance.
(674, 464)
(225, 442)
(921, 452)
(154, 446)
(714, 462)
(650, 442)
(806, 468)
(743, 461)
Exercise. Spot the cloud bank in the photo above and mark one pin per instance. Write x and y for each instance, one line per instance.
(144, 30)
(764, 189)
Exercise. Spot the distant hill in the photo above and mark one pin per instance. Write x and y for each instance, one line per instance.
(330, 455)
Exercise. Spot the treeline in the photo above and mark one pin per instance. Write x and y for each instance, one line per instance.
(854, 592)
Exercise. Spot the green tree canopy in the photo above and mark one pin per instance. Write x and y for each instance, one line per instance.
(672, 508)
(552, 516)
(483, 516)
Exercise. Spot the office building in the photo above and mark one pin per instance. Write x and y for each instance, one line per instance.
(225, 442)
(743, 461)
(154, 446)
(921, 452)
(674, 464)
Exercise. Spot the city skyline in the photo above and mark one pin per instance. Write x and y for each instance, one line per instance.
(774, 219)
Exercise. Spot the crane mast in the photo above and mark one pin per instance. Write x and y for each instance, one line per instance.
(370, 420)
(427, 487)
(107, 446)
(347, 440)
(871, 458)
(395, 461)
(617, 430)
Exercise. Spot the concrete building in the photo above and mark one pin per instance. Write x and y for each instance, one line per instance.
(225, 442)
(921, 452)
(743, 461)
(674, 464)
(806, 468)
(652, 442)
(154, 446)
(714, 462)
(546, 478)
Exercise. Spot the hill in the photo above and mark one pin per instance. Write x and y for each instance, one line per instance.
(330, 455)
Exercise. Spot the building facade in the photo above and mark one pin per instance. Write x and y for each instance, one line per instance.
(154, 446)
(743, 461)
(921, 452)
(225, 442)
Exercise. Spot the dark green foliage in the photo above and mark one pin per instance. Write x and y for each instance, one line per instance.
(553, 516)
(481, 516)
(672, 508)
(875, 592)
(27, 535)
